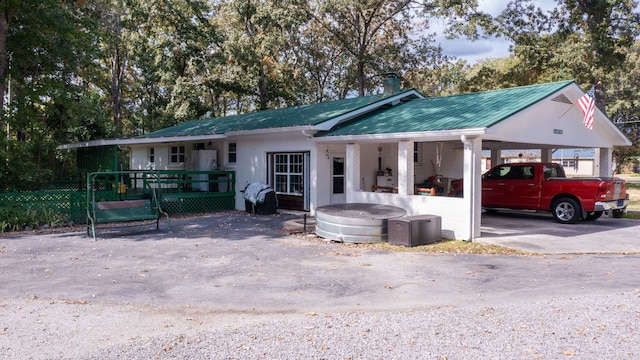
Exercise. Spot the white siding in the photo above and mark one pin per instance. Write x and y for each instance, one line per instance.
(251, 165)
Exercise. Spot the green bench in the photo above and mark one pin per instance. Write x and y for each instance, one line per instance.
(123, 211)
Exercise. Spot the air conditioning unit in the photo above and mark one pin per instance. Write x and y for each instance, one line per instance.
(415, 230)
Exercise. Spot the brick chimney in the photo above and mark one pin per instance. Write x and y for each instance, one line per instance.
(391, 84)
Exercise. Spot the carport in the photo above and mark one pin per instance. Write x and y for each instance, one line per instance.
(534, 232)
(542, 117)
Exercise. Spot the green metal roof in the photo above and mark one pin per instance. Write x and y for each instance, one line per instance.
(467, 111)
(303, 115)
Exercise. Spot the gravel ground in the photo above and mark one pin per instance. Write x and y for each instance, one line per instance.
(219, 289)
(578, 328)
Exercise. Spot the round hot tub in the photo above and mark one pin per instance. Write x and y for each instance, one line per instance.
(355, 223)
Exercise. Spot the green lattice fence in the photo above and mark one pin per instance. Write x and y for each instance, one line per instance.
(179, 192)
(179, 203)
(70, 205)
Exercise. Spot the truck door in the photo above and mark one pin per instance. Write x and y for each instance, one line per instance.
(494, 185)
(523, 190)
(510, 186)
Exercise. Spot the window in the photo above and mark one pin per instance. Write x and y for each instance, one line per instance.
(500, 172)
(514, 172)
(518, 172)
(338, 175)
(288, 173)
(528, 172)
(417, 153)
(570, 163)
(151, 155)
(553, 171)
(177, 154)
(232, 152)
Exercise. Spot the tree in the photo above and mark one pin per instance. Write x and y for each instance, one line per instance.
(51, 47)
(161, 63)
(7, 10)
(590, 41)
(380, 36)
(583, 40)
(115, 48)
(257, 43)
(624, 105)
(369, 32)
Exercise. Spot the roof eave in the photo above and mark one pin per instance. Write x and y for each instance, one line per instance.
(306, 128)
(139, 141)
(416, 136)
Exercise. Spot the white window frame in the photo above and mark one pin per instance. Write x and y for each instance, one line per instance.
(291, 169)
(234, 152)
(177, 154)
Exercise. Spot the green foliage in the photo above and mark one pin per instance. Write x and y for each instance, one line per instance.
(589, 41)
(576, 40)
(83, 70)
(16, 217)
(622, 88)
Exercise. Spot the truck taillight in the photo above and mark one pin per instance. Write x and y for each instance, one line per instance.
(602, 190)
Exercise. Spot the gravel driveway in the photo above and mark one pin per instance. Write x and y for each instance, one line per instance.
(236, 286)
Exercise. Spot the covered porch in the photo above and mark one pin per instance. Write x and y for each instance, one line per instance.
(452, 133)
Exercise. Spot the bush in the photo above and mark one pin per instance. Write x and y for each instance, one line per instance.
(16, 217)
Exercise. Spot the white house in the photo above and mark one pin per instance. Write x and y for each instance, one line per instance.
(340, 151)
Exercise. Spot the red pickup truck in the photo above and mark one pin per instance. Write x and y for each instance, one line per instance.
(544, 186)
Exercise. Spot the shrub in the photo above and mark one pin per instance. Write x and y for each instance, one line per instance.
(16, 217)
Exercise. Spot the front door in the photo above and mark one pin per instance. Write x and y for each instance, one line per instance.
(338, 195)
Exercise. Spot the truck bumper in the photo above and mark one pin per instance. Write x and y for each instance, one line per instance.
(611, 205)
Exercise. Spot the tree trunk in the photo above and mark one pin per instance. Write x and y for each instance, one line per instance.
(5, 18)
(117, 73)
(360, 74)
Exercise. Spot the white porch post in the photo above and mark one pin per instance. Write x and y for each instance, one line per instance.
(353, 170)
(546, 155)
(405, 167)
(472, 183)
(596, 163)
(496, 157)
(605, 161)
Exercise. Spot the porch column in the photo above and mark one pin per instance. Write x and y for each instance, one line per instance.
(546, 155)
(496, 157)
(405, 167)
(472, 182)
(596, 163)
(353, 170)
(605, 161)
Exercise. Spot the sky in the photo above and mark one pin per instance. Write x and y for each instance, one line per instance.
(484, 48)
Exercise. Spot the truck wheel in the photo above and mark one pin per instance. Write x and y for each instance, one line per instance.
(593, 215)
(566, 211)
(618, 213)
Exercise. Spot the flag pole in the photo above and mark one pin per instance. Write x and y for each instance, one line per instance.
(564, 113)
(574, 104)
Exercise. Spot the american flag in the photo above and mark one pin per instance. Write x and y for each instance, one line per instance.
(587, 104)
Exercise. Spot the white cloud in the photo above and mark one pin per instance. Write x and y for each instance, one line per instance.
(473, 51)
